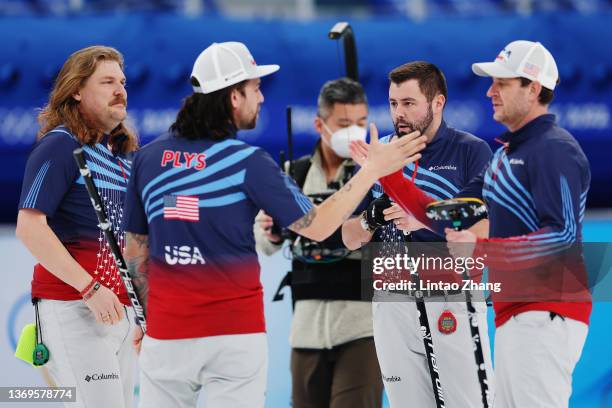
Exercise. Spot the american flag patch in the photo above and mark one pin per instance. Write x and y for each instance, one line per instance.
(531, 69)
(186, 208)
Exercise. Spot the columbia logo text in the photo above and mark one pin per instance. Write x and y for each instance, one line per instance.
(98, 377)
(447, 167)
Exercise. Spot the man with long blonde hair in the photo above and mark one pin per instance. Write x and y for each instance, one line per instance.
(79, 296)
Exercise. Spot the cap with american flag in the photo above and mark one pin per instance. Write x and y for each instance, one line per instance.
(522, 59)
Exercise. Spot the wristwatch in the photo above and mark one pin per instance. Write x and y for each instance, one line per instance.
(364, 223)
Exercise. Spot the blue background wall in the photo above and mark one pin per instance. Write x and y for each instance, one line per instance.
(159, 50)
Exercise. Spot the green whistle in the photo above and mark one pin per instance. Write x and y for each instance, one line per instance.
(40, 355)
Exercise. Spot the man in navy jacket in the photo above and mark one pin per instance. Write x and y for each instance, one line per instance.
(535, 190)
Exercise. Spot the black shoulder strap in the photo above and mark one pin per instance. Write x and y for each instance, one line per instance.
(300, 169)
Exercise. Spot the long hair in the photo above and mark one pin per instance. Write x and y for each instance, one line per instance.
(207, 115)
(62, 108)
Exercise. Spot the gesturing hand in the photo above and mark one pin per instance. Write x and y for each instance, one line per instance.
(386, 158)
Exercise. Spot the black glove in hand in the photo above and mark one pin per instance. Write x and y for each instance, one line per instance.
(374, 213)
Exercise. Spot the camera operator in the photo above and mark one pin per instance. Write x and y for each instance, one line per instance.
(333, 358)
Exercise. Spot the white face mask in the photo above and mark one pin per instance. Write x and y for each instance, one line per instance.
(341, 139)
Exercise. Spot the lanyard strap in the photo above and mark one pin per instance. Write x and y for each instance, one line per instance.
(39, 339)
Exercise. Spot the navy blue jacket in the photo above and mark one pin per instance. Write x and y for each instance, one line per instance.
(536, 189)
(447, 165)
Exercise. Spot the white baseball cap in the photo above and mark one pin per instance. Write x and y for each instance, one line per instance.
(225, 64)
(525, 59)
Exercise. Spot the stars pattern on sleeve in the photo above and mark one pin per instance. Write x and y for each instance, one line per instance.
(392, 244)
(106, 267)
(108, 170)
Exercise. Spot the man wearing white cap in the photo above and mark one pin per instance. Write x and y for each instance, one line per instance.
(535, 190)
(190, 208)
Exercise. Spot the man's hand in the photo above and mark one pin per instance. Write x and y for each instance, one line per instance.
(385, 158)
(460, 243)
(359, 151)
(137, 339)
(402, 220)
(105, 306)
(265, 222)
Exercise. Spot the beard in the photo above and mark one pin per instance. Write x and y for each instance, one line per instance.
(249, 122)
(420, 125)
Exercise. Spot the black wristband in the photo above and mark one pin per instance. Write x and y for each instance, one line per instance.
(374, 214)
